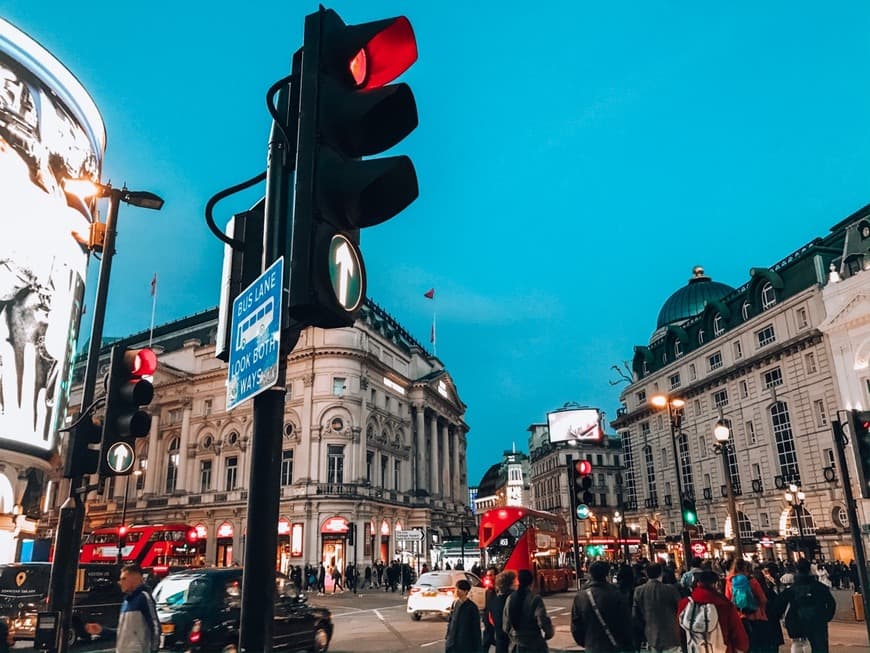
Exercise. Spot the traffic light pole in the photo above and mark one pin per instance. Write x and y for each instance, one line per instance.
(686, 541)
(71, 518)
(264, 486)
(852, 512)
(570, 467)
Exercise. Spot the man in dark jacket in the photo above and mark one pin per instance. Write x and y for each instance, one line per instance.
(463, 629)
(810, 608)
(600, 615)
(655, 607)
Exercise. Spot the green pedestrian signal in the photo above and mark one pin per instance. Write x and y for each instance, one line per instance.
(582, 511)
(690, 514)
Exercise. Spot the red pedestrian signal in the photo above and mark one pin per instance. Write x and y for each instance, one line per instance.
(582, 483)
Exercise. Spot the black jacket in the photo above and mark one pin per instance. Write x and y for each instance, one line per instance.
(586, 627)
(819, 611)
(463, 629)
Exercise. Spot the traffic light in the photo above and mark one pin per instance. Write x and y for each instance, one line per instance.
(347, 110)
(81, 457)
(351, 533)
(122, 537)
(582, 484)
(861, 447)
(126, 391)
(690, 513)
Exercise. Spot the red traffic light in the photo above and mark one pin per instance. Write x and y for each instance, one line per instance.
(122, 531)
(583, 467)
(387, 53)
(141, 362)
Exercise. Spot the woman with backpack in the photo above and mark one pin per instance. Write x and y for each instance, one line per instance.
(711, 622)
(746, 594)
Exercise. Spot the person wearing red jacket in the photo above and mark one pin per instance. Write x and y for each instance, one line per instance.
(755, 622)
(733, 633)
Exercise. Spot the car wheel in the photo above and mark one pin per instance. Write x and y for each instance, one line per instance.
(416, 616)
(321, 640)
(72, 635)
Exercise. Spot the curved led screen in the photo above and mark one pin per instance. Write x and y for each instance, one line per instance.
(50, 131)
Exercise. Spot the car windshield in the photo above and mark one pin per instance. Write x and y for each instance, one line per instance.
(187, 590)
(436, 580)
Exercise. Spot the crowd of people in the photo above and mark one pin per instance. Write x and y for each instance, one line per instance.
(393, 577)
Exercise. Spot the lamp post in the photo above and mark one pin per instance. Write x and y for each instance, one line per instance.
(723, 444)
(675, 407)
(71, 515)
(617, 520)
(796, 498)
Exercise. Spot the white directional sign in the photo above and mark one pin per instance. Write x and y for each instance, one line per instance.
(409, 536)
(255, 338)
(346, 272)
(120, 457)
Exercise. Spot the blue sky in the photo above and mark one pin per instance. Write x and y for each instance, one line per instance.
(575, 160)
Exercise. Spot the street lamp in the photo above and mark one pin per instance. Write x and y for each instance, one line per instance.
(723, 445)
(675, 407)
(617, 519)
(796, 498)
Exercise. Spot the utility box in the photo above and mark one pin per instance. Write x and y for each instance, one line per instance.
(858, 606)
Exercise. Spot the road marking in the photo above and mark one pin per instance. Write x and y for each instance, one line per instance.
(437, 641)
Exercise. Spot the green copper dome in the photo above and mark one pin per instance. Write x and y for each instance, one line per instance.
(690, 300)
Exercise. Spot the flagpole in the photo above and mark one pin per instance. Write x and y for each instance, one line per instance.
(434, 338)
(153, 308)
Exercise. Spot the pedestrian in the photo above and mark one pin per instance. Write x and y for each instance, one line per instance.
(525, 618)
(379, 572)
(406, 578)
(7, 638)
(321, 579)
(486, 615)
(810, 607)
(138, 628)
(687, 580)
(655, 611)
(463, 627)
(710, 620)
(367, 577)
(600, 615)
(336, 580)
(742, 589)
(494, 612)
(768, 637)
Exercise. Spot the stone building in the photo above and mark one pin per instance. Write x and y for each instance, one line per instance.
(756, 358)
(373, 436)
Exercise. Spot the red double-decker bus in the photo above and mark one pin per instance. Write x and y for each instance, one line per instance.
(517, 538)
(156, 547)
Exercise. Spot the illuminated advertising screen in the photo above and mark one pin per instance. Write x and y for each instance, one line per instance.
(50, 131)
(575, 425)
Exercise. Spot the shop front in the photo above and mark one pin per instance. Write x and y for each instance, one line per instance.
(333, 547)
(224, 545)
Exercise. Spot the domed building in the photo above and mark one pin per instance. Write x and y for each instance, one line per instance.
(754, 359)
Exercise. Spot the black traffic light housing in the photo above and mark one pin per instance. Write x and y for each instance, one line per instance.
(690, 513)
(126, 391)
(351, 533)
(860, 423)
(347, 110)
(582, 482)
(83, 455)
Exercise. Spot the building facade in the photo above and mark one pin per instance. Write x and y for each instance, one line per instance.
(755, 358)
(373, 436)
(504, 484)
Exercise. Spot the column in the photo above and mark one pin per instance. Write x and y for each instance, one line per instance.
(457, 487)
(434, 472)
(420, 449)
(446, 488)
(181, 485)
(154, 456)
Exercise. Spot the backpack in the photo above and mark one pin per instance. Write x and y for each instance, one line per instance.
(741, 594)
(805, 610)
(701, 623)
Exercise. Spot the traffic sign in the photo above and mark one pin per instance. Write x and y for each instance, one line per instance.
(346, 272)
(409, 536)
(120, 457)
(582, 511)
(255, 338)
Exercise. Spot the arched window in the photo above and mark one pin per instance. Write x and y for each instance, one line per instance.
(686, 466)
(700, 336)
(172, 462)
(785, 449)
(744, 310)
(718, 325)
(745, 525)
(768, 296)
(678, 349)
(800, 522)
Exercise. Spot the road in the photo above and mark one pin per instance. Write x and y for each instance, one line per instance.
(376, 622)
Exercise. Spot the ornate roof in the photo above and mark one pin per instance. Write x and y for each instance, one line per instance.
(690, 300)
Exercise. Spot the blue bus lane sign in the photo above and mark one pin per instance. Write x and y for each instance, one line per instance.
(255, 336)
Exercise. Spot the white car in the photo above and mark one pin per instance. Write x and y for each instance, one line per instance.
(435, 592)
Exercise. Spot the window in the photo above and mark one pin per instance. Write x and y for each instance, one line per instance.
(674, 381)
(175, 416)
(660, 422)
(700, 336)
(765, 520)
(335, 463)
(745, 309)
(397, 474)
(718, 325)
(810, 366)
(715, 360)
(696, 406)
(231, 473)
(172, 465)
(206, 407)
(599, 460)
(801, 317)
(820, 412)
(641, 396)
(693, 374)
(702, 445)
(785, 449)
(339, 386)
(773, 378)
(204, 475)
(384, 477)
(678, 349)
(768, 296)
(665, 461)
(370, 465)
(744, 389)
(738, 349)
(828, 456)
(650, 475)
(750, 432)
(732, 469)
(756, 471)
(686, 466)
(287, 467)
(713, 523)
(766, 336)
(644, 429)
(720, 398)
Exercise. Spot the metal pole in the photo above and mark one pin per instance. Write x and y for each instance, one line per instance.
(71, 517)
(732, 503)
(123, 518)
(264, 484)
(852, 512)
(686, 541)
(570, 461)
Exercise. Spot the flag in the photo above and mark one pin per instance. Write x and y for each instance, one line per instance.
(652, 531)
(429, 294)
(154, 285)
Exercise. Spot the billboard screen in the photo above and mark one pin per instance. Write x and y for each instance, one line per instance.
(50, 131)
(575, 425)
